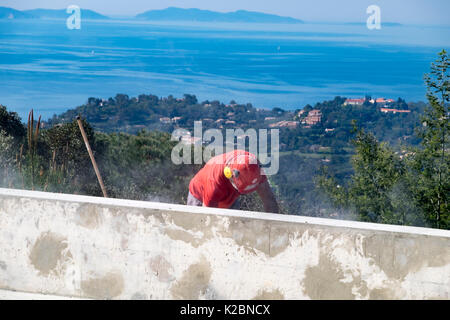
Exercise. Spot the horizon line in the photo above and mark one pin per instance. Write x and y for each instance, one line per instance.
(126, 16)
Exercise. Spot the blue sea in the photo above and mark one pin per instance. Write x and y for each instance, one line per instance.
(47, 67)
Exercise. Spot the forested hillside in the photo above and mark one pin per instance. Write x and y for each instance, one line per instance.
(382, 162)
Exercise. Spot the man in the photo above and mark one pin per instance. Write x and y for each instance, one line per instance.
(224, 177)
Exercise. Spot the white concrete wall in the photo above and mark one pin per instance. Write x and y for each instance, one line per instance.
(87, 247)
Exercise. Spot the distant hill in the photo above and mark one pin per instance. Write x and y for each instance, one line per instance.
(62, 14)
(10, 13)
(179, 14)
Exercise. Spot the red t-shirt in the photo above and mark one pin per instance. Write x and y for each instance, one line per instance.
(211, 186)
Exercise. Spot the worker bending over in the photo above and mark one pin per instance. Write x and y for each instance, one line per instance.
(225, 177)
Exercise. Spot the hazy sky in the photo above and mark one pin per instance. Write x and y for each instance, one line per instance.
(402, 11)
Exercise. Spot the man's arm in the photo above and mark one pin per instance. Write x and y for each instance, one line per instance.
(267, 197)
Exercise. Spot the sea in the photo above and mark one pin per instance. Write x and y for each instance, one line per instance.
(49, 68)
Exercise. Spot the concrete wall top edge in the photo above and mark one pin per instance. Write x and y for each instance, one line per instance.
(227, 212)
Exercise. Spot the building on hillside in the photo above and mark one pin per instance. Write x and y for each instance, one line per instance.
(314, 117)
(354, 102)
(381, 100)
(387, 110)
(165, 120)
(284, 124)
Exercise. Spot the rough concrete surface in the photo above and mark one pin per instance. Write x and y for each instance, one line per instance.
(85, 247)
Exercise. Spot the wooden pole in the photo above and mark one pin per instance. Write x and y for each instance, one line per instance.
(94, 164)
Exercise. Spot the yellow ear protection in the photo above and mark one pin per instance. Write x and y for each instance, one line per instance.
(227, 172)
(231, 174)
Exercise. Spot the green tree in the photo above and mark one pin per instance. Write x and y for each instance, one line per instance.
(377, 170)
(67, 164)
(12, 132)
(11, 124)
(430, 173)
(7, 159)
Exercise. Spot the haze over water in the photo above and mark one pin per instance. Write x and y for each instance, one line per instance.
(47, 67)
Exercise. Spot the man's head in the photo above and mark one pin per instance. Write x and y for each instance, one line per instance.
(244, 173)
